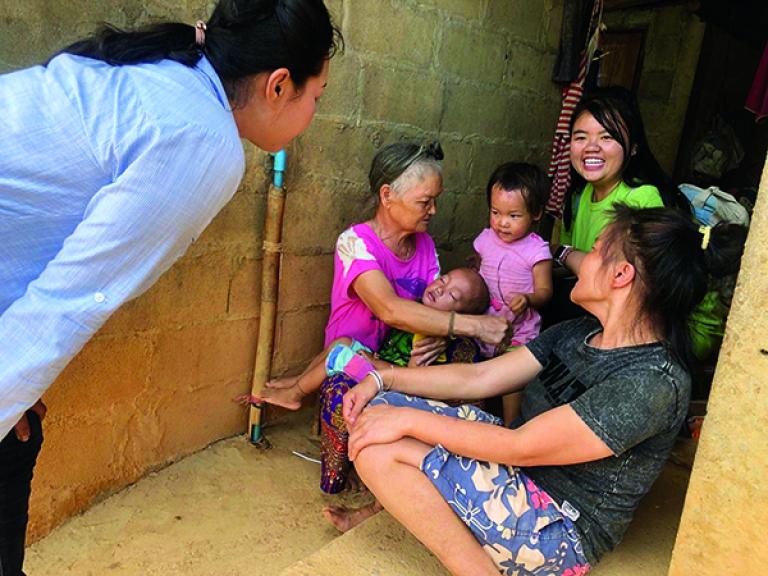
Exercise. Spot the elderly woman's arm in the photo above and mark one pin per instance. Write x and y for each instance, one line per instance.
(377, 294)
(556, 437)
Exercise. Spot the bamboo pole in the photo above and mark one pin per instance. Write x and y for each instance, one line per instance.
(273, 227)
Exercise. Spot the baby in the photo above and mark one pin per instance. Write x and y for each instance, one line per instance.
(515, 262)
(461, 290)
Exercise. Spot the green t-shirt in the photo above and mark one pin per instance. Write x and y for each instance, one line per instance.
(591, 217)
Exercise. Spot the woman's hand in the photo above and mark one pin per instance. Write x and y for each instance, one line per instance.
(379, 425)
(491, 329)
(426, 351)
(21, 428)
(357, 398)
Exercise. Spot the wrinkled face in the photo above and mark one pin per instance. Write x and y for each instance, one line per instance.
(595, 154)
(452, 291)
(414, 207)
(272, 128)
(594, 277)
(510, 218)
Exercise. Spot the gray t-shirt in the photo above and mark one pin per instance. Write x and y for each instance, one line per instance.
(634, 398)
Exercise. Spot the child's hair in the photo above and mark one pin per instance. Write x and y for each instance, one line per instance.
(527, 178)
(665, 247)
(242, 39)
(482, 299)
(616, 109)
(403, 163)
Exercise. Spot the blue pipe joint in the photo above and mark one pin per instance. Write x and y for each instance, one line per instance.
(255, 434)
(280, 159)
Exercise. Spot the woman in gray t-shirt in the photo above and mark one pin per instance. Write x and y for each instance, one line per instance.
(605, 397)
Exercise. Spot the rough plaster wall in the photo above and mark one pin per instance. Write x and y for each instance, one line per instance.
(672, 46)
(721, 531)
(155, 382)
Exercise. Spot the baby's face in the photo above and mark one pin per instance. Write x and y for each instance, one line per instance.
(451, 291)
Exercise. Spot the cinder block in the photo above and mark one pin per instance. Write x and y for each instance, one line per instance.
(473, 54)
(472, 109)
(194, 290)
(486, 157)
(392, 28)
(528, 69)
(245, 288)
(467, 9)
(669, 21)
(195, 357)
(456, 164)
(402, 96)
(317, 214)
(470, 218)
(534, 118)
(299, 338)
(522, 19)
(305, 281)
(342, 95)
(108, 371)
(553, 22)
(241, 221)
(441, 225)
(332, 149)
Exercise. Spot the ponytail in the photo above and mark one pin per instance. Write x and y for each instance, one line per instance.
(674, 259)
(243, 38)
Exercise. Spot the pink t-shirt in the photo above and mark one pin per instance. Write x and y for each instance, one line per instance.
(359, 250)
(507, 268)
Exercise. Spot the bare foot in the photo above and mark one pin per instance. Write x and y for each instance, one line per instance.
(344, 519)
(286, 382)
(289, 398)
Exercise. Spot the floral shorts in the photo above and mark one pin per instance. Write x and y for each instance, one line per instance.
(518, 524)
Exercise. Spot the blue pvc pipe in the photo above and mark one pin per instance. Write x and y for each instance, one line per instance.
(278, 166)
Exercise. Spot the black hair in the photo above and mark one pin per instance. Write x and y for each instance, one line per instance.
(243, 38)
(532, 183)
(665, 247)
(616, 109)
(479, 304)
(393, 160)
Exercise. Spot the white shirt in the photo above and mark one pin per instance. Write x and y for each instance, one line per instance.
(107, 175)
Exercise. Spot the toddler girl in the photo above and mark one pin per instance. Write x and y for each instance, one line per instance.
(515, 262)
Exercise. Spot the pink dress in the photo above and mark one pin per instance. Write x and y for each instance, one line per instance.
(359, 250)
(507, 268)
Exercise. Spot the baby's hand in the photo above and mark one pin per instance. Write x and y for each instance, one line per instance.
(517, 303)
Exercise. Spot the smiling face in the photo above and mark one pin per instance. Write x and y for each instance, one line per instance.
(414, 206)
(510, 218)
(596, 155)
(277, 111)
(460, 290)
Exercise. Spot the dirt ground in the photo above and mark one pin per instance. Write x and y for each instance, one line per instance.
(228, 510)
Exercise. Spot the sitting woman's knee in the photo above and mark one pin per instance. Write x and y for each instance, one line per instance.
(373, 459)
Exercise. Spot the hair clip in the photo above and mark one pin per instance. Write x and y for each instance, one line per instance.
(434, 150)
(705, 232)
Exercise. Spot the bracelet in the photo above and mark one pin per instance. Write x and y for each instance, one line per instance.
(451, 335)
(562, 253)
(378, 379)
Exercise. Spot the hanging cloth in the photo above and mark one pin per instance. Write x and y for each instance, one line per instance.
(560, 162)
(757, 99)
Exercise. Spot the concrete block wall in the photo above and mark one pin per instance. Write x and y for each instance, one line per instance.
(155, 383)
(672, 47)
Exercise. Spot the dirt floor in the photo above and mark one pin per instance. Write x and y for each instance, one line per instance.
(228, 510)
(235, 510)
